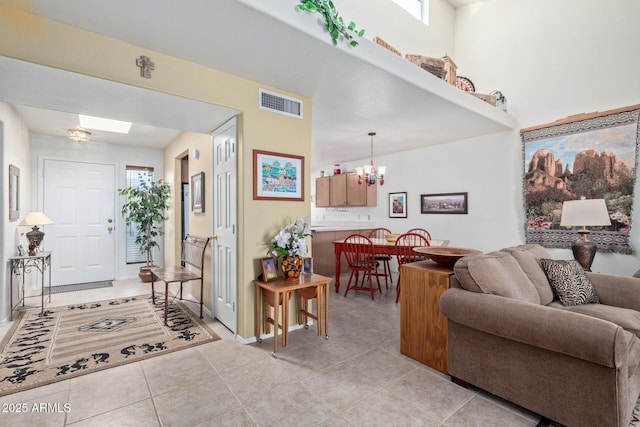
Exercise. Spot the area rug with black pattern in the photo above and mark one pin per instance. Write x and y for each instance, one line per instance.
(68, 341)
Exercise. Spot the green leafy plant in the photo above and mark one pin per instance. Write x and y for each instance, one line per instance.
(332, 20)
(145, 208)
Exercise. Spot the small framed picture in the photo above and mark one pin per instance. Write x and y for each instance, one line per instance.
(21, 250)
(444, 203)
(398, 205)
(268, 269)
(197, 193)
(307, 265)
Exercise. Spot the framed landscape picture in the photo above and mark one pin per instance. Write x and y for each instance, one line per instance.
(14, 193)
(398, 205)
(444, 203)
(277, 176)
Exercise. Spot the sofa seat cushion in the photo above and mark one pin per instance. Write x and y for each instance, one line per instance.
(528, 256)
(496, 273)
(568, 280)
(624, 317)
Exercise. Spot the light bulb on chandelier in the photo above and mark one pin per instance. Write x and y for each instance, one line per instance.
(369, 172)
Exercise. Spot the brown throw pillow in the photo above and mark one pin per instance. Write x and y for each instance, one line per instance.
(570, 283)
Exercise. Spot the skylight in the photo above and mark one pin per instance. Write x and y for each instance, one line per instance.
(99, 123)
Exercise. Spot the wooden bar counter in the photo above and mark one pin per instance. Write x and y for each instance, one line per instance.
(423, 329)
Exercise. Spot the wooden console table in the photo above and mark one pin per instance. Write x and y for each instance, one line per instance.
(423, 329)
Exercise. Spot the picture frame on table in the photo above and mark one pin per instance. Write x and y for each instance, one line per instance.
(197, 193)
(444, 203)
(277, 176)
(307, 265)
(398, 205)
(269, 272)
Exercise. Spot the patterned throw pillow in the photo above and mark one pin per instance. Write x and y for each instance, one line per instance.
(568, 280)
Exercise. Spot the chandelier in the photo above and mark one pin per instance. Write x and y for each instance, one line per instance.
(78, 135)
(369, 172)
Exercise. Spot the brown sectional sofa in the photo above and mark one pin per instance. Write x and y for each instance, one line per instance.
(509, 335)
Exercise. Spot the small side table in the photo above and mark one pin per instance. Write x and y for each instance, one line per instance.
(23, 264)
(284, 287)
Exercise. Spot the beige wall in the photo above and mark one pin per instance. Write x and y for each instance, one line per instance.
(199, 223)
(28, 37)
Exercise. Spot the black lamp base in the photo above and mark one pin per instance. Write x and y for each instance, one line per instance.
(35, 237)
(584, 251)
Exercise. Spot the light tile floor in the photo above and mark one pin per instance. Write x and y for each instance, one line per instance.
(357, 377)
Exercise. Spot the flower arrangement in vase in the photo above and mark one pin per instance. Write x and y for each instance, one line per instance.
(289, 245)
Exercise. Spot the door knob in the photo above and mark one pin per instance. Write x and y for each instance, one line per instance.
(109, 229)
(109, 220)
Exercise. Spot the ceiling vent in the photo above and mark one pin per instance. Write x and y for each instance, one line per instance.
(280, 104)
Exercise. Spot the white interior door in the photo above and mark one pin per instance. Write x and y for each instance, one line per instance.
(79, 198)
(225, 247)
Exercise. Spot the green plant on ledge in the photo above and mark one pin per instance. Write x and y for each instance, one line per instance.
(332, 20)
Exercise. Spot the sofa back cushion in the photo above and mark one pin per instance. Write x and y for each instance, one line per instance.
(529, 256)
(496, 273)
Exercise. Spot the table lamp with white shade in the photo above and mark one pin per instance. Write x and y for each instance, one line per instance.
(35, 236)
(584, 213)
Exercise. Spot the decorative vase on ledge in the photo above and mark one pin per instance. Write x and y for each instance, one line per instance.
(291, 267)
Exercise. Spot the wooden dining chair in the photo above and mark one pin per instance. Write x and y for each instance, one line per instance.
(360, 255)
(384, 259)
(422, 232)
(405, 254)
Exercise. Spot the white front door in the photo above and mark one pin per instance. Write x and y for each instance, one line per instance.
(224, 257)
(79, 198)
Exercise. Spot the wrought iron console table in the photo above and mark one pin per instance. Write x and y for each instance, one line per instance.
(23, 264)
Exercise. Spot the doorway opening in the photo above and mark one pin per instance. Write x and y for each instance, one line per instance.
(184, 196)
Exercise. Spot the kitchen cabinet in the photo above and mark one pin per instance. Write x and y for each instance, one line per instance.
(360, 194)
(338, 191)
(322, 192)
(344, 191)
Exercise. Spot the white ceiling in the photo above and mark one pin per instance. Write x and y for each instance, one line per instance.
(353, 90)
(49, 101)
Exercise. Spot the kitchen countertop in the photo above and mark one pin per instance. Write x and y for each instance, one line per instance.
(341, 226)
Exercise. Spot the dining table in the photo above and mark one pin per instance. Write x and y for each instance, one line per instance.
(380, 247)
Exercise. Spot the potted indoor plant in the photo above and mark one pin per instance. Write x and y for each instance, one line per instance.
(289, 245)
(145, 208)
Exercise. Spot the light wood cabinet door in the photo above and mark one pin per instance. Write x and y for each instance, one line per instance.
(356, 193)
(323, 192)
(372, 195)
(338, 192)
